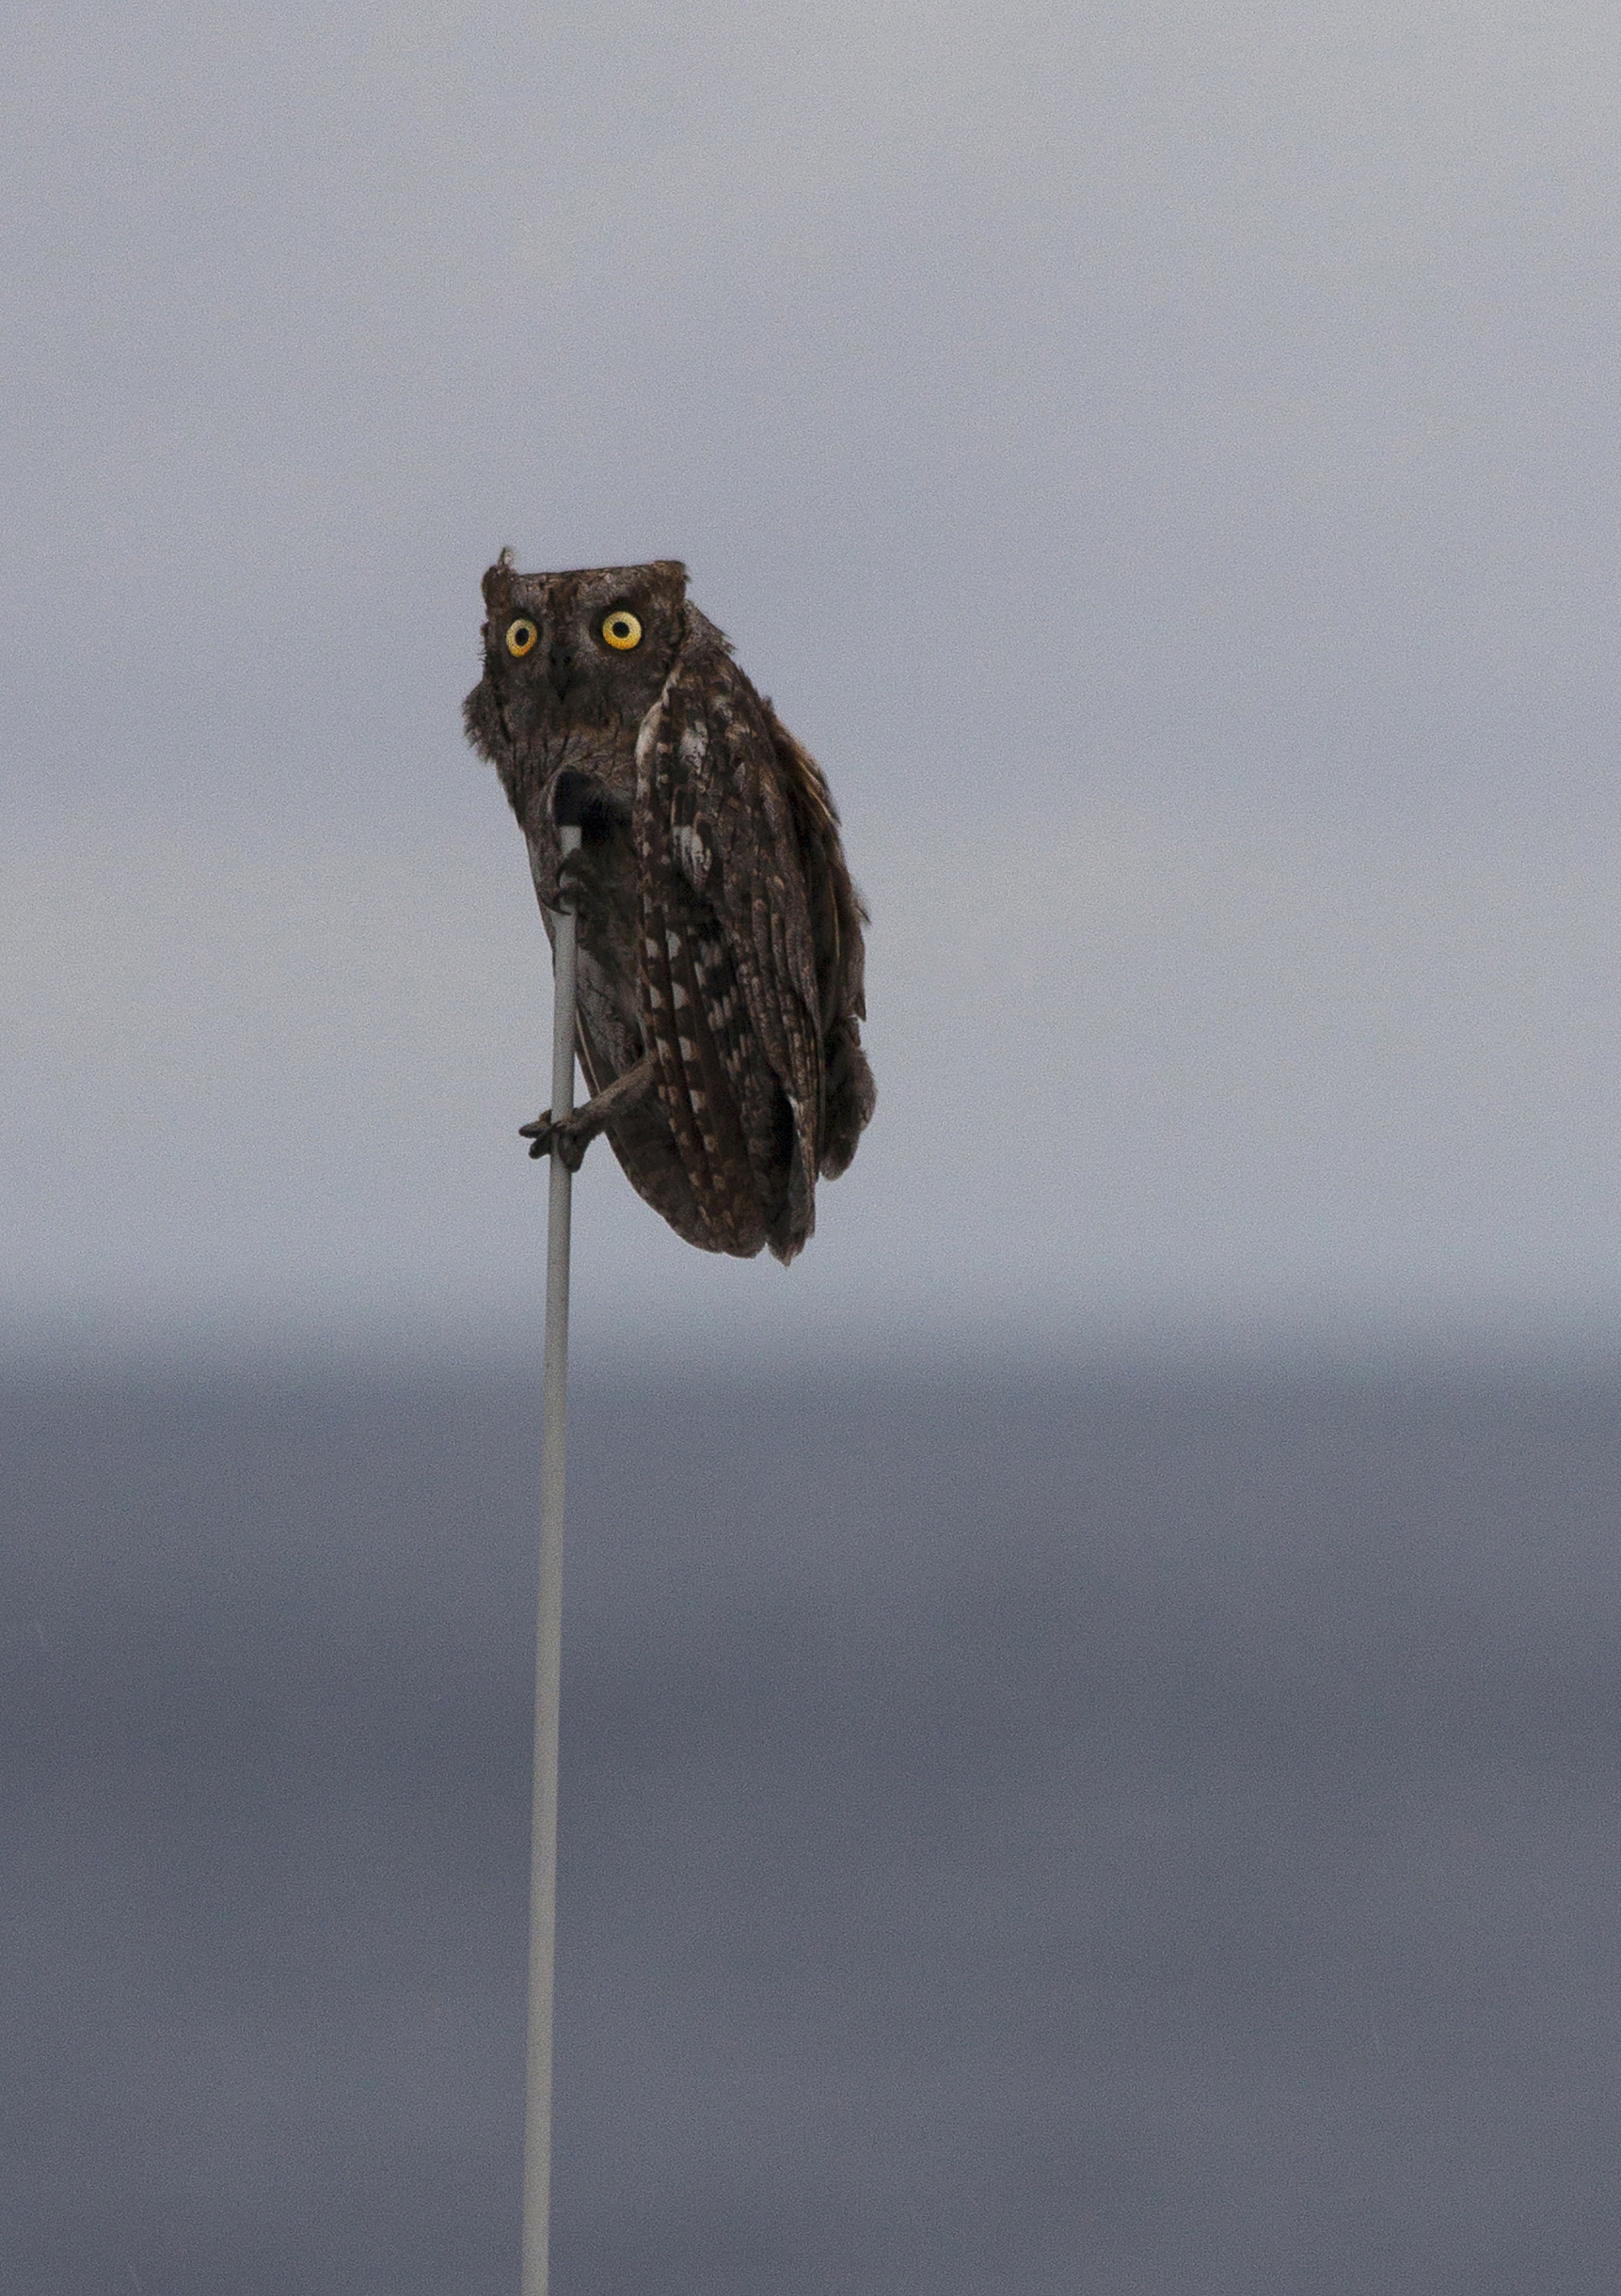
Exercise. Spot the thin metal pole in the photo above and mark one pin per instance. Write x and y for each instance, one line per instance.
(548, 1636)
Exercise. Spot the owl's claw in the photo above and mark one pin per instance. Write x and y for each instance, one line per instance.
(588, 888)
(568, 1140)
(577, 882)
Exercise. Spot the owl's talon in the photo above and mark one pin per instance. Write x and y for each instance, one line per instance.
(577, 883)
(568, 1141)
(588, 889)
(573, 1135)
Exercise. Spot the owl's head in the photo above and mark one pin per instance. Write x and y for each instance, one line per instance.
(566, 652)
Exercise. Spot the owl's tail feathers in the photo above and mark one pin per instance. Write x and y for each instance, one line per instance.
(794, 1225)
(851, 1096)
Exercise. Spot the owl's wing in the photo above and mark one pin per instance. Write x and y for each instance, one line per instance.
(728, 979)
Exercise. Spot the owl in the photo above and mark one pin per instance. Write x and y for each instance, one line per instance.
(720, 937)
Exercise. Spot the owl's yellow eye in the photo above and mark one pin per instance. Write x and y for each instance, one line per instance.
(521, 636)
(622, 630)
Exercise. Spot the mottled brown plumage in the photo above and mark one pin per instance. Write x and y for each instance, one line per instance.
(719, 935)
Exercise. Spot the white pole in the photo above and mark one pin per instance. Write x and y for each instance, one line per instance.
(549, 1634)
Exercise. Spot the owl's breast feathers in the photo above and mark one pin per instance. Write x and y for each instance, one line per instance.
(751, 954)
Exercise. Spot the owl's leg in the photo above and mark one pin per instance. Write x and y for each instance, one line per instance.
(574, 1135)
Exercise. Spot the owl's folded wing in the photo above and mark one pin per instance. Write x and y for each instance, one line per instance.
(729, 980)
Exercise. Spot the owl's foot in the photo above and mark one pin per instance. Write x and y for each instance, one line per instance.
(568, 1140)
(594, 885)
(571, 1137)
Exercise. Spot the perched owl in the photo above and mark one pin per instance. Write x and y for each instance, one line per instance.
(720, 936)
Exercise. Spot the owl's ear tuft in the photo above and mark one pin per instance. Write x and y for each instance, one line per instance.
(496, 584)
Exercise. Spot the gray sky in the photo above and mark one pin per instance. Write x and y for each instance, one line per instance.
(1163, 460)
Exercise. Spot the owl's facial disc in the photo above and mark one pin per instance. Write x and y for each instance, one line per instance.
(578, 656)
(582, 651)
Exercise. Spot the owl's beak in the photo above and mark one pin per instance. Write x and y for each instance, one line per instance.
(560, 668)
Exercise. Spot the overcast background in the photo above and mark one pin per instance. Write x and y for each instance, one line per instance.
(1165, 462)
(1089, 1726)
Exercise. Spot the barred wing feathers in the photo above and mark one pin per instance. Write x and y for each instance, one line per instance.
(731, 1007)
(838, 917)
